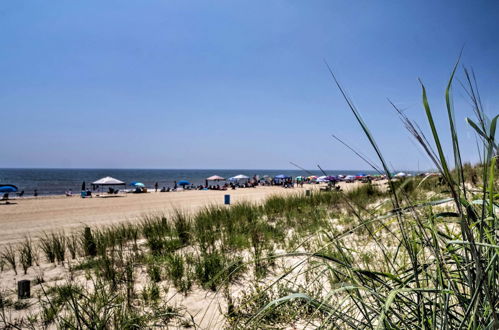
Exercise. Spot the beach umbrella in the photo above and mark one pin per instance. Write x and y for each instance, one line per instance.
(281, 176)
(183, 183)
(312, 177)
(137, 184)
(400, 175)
(7, 188)
(299, 177)
(331, 178)
(215, 178)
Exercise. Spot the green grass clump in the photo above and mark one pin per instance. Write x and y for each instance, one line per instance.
(154, 272)
(26, 254)
(88, 242)
(9, 256)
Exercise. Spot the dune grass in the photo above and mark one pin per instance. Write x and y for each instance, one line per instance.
(429, 267)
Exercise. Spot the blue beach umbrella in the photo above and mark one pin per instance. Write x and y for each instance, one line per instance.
(137, 184)
(7, 188)
(183, 183)
(281, 176)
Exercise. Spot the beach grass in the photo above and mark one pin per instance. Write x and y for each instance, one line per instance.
(420, 265)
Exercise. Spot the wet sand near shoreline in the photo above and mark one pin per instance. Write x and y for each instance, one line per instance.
(34, 216)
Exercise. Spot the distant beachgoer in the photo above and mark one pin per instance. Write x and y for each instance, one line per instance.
(35, 193)
(69, 193)
(175, 185)
(156, 187)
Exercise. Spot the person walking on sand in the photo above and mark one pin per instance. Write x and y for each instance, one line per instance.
(156, 187)
(174, 185)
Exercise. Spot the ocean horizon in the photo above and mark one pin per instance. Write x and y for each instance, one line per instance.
(56, 181)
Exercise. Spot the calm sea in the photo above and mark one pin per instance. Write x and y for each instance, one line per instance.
(57, 181)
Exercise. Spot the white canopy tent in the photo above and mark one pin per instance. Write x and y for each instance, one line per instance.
(240, 177)
(108, 181)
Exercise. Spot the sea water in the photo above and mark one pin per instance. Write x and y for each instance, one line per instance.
(58, 181)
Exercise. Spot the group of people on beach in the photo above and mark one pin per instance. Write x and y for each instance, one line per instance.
(246, 182)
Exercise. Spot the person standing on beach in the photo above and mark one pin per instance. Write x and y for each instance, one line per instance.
(35, 193)
(156, 187)
(175, 185)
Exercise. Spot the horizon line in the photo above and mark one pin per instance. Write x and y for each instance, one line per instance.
(192, 169)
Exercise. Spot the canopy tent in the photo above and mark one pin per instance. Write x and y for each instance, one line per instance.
(215, 178)
(240, 177)
(108, 181)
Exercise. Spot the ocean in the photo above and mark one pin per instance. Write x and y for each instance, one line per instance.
(58, 181)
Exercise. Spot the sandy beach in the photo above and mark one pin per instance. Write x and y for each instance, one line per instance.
(34, 216)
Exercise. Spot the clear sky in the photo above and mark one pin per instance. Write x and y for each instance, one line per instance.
(232, 84)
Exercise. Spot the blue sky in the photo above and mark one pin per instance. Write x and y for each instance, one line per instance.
(232, 84)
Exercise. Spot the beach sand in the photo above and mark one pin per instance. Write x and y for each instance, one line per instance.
(34, 216)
